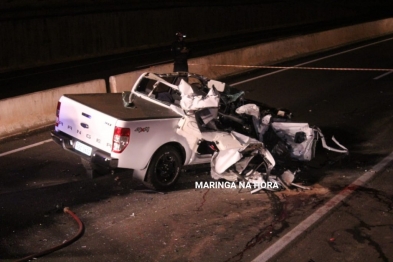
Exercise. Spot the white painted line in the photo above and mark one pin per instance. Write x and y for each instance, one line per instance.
(322, 211)
(387, 73)
(312, 61)
(25, 147)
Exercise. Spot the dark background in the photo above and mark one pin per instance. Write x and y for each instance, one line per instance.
(45, 44)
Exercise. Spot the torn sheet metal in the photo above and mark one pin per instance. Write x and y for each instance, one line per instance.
(191, 101)
(249, 109)
(261, 124)
(219, 86)
(343, 149)
(299, 137)
(220, 163)
(233, 149)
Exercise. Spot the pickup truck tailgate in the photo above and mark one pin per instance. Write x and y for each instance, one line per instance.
(91, 118)
(86, 124)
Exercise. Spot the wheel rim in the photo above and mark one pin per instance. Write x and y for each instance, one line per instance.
(166, 168)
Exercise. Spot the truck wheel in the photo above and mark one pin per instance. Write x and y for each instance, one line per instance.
(164, 169)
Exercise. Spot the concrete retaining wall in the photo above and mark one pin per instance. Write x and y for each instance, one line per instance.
(266, 53)
(32, 111)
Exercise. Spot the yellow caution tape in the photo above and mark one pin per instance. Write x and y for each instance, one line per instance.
(299, 67)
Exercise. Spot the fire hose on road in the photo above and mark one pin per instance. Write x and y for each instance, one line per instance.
(64, 244)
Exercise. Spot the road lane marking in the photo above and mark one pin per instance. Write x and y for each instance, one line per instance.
(385, 74)
(25, 147)
(312, 61)
(322, 211)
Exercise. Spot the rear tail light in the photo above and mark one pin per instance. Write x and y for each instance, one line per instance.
(58, 113)
(121, 138)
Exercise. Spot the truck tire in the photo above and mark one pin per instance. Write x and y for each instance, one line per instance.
(164, 169)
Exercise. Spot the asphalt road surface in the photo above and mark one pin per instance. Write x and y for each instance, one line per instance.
(126, 222)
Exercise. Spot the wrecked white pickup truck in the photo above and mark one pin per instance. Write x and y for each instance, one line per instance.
(142, 137)
(141, 129)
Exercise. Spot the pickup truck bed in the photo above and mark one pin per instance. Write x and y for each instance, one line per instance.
(112, 105)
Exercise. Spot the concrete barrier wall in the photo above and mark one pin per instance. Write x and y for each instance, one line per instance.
(32, 111)
(266, 53)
